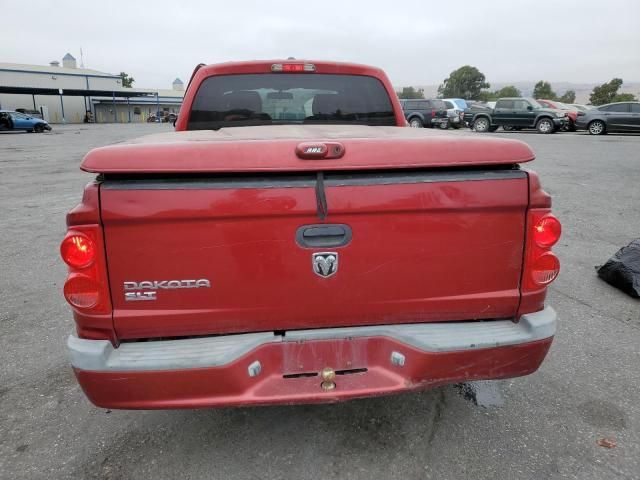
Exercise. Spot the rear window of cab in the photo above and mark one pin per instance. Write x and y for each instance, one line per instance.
(290, 98)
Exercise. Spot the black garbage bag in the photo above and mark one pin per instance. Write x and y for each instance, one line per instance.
(623, 269)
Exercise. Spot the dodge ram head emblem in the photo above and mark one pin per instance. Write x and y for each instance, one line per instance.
(324, 264)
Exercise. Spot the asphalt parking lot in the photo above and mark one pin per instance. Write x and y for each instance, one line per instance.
(542, 426)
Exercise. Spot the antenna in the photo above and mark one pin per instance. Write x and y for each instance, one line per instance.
(81, 59)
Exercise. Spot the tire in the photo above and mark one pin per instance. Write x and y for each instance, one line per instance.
(444, 125)
(597, 127)
(38, 128)
(545, 126)
(507, 128)
(481, 125)
(415, 122)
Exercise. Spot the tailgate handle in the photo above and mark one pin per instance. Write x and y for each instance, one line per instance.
(314, 236)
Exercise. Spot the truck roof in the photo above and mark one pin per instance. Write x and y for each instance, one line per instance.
(258, 66)
(273, 149)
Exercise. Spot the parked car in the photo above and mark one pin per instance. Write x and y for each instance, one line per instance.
(459, 103)
(12, 120)
(613, 117)
(455, 111)
(580, 107)
(425, 112)
(399, 261)
(162, 117)
(571, 112)
(30, 112)
(518, 113)
(475, 107)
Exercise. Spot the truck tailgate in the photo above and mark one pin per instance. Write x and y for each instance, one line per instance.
(235, 253)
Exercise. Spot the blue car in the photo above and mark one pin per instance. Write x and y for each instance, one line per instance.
(11, 120)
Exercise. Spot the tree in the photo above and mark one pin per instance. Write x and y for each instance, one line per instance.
(465, 82)
(410, 92)
(624, 97)
(605, 93)
(487, 96)
(568, 97)
(508, 91)
(543, 89)
(127, 81)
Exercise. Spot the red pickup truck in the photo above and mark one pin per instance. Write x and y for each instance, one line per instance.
(291, 242)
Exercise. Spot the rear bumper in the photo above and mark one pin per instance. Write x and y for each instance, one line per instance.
(439, 120)
(262, 368)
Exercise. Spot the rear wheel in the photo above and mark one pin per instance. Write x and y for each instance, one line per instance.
(481, 125)
(597, 127)
(545, 126)
(415, 122)
(444, 125)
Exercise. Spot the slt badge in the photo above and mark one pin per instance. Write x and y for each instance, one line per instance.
(324, 264)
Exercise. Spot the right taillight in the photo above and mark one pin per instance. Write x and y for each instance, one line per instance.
(541, 265)
(546, 231)
(545, 269)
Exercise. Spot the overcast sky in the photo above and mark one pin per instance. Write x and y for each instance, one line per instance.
(416, 42)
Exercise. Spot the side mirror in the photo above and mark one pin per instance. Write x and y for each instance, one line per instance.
(529, 107)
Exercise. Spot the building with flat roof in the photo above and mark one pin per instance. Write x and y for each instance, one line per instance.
(64, 94)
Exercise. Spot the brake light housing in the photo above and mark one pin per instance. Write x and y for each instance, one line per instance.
(293, 67)
(541, 266)
(86, 287)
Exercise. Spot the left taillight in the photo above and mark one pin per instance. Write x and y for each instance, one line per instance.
(77, 250)
(541, 265)
(86, 286)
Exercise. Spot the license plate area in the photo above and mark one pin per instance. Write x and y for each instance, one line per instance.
(307, 358)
